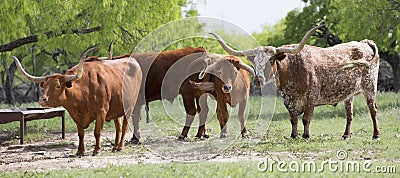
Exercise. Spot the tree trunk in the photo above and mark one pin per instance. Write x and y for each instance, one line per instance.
(36, 85)
(9, 84)
(394, 61)
(396, 76)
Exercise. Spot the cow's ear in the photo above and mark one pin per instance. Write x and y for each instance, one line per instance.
(236, 64)
(68, 84)
(280, 56)
(250, 58)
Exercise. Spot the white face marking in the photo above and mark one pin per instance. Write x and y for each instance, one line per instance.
(260, 61)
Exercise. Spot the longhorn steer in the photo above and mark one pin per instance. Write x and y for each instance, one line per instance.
(230, 83)
(94, 91)
(309, 76)
(155, 66)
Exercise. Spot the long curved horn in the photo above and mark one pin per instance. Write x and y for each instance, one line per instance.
(232, 51)
(79, 66)
(194, 67)
(25, 74)
(248, 68)
(302, 42)
(208, 69)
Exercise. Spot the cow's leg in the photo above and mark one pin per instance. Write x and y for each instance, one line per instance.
(223, 117)
(308, 111)
(97, 133)
(125, 125)
(135, 119)
(81, 147)
(242, 116)
(294, 114)
(117, 124)
(293, 120)
(202, 116)
(373, 109)
(147, 113)
(190, 108)
(348, 104)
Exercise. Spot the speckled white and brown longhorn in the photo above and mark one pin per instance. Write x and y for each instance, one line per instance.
(309, 76)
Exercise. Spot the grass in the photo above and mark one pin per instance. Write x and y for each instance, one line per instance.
(205, 169)
(272, 138)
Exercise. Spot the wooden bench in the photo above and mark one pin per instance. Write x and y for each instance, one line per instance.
(28, 114)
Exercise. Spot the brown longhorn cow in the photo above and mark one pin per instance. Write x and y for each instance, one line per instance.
(309, 76)
(94, 90)
(229, 82)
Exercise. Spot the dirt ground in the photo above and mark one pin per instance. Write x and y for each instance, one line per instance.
(54, 153)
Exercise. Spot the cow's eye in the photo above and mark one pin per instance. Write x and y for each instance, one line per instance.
(58, 86)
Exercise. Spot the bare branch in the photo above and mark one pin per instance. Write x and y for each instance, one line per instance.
(34, 38)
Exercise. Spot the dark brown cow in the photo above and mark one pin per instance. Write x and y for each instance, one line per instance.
(94, 91)
(309, 76)
(230, 83)
(155, 66)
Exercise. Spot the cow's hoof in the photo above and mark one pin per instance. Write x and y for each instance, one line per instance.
(116, 150)
(96, 153)
(133, 141)
(306, 137)
(205, 136)
(223, 135)
(181, 137)
(376, 137)
(346, 137)
(79, 154)
(293, 136)
(245, 136)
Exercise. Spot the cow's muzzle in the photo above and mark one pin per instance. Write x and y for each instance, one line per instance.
(227, 88)
(43, 101)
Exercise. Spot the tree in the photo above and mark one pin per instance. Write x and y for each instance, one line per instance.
(272, 35)
(59, 31)
(345, 21)
(378, 20)
(299, 21)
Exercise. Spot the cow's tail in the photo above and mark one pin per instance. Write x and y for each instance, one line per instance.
(372, 45)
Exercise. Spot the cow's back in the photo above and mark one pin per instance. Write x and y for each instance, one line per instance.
(156, 65)
(319, 71)
(110, 84)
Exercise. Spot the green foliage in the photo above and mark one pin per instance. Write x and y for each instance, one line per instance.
(272, 35)
(61, 25)
(292, 28)
(299, 21)
(378, 20)
(346, 20)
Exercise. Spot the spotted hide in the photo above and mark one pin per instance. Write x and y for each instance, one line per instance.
(309, 76)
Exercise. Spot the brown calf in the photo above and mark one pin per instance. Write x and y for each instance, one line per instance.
(230, 85)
